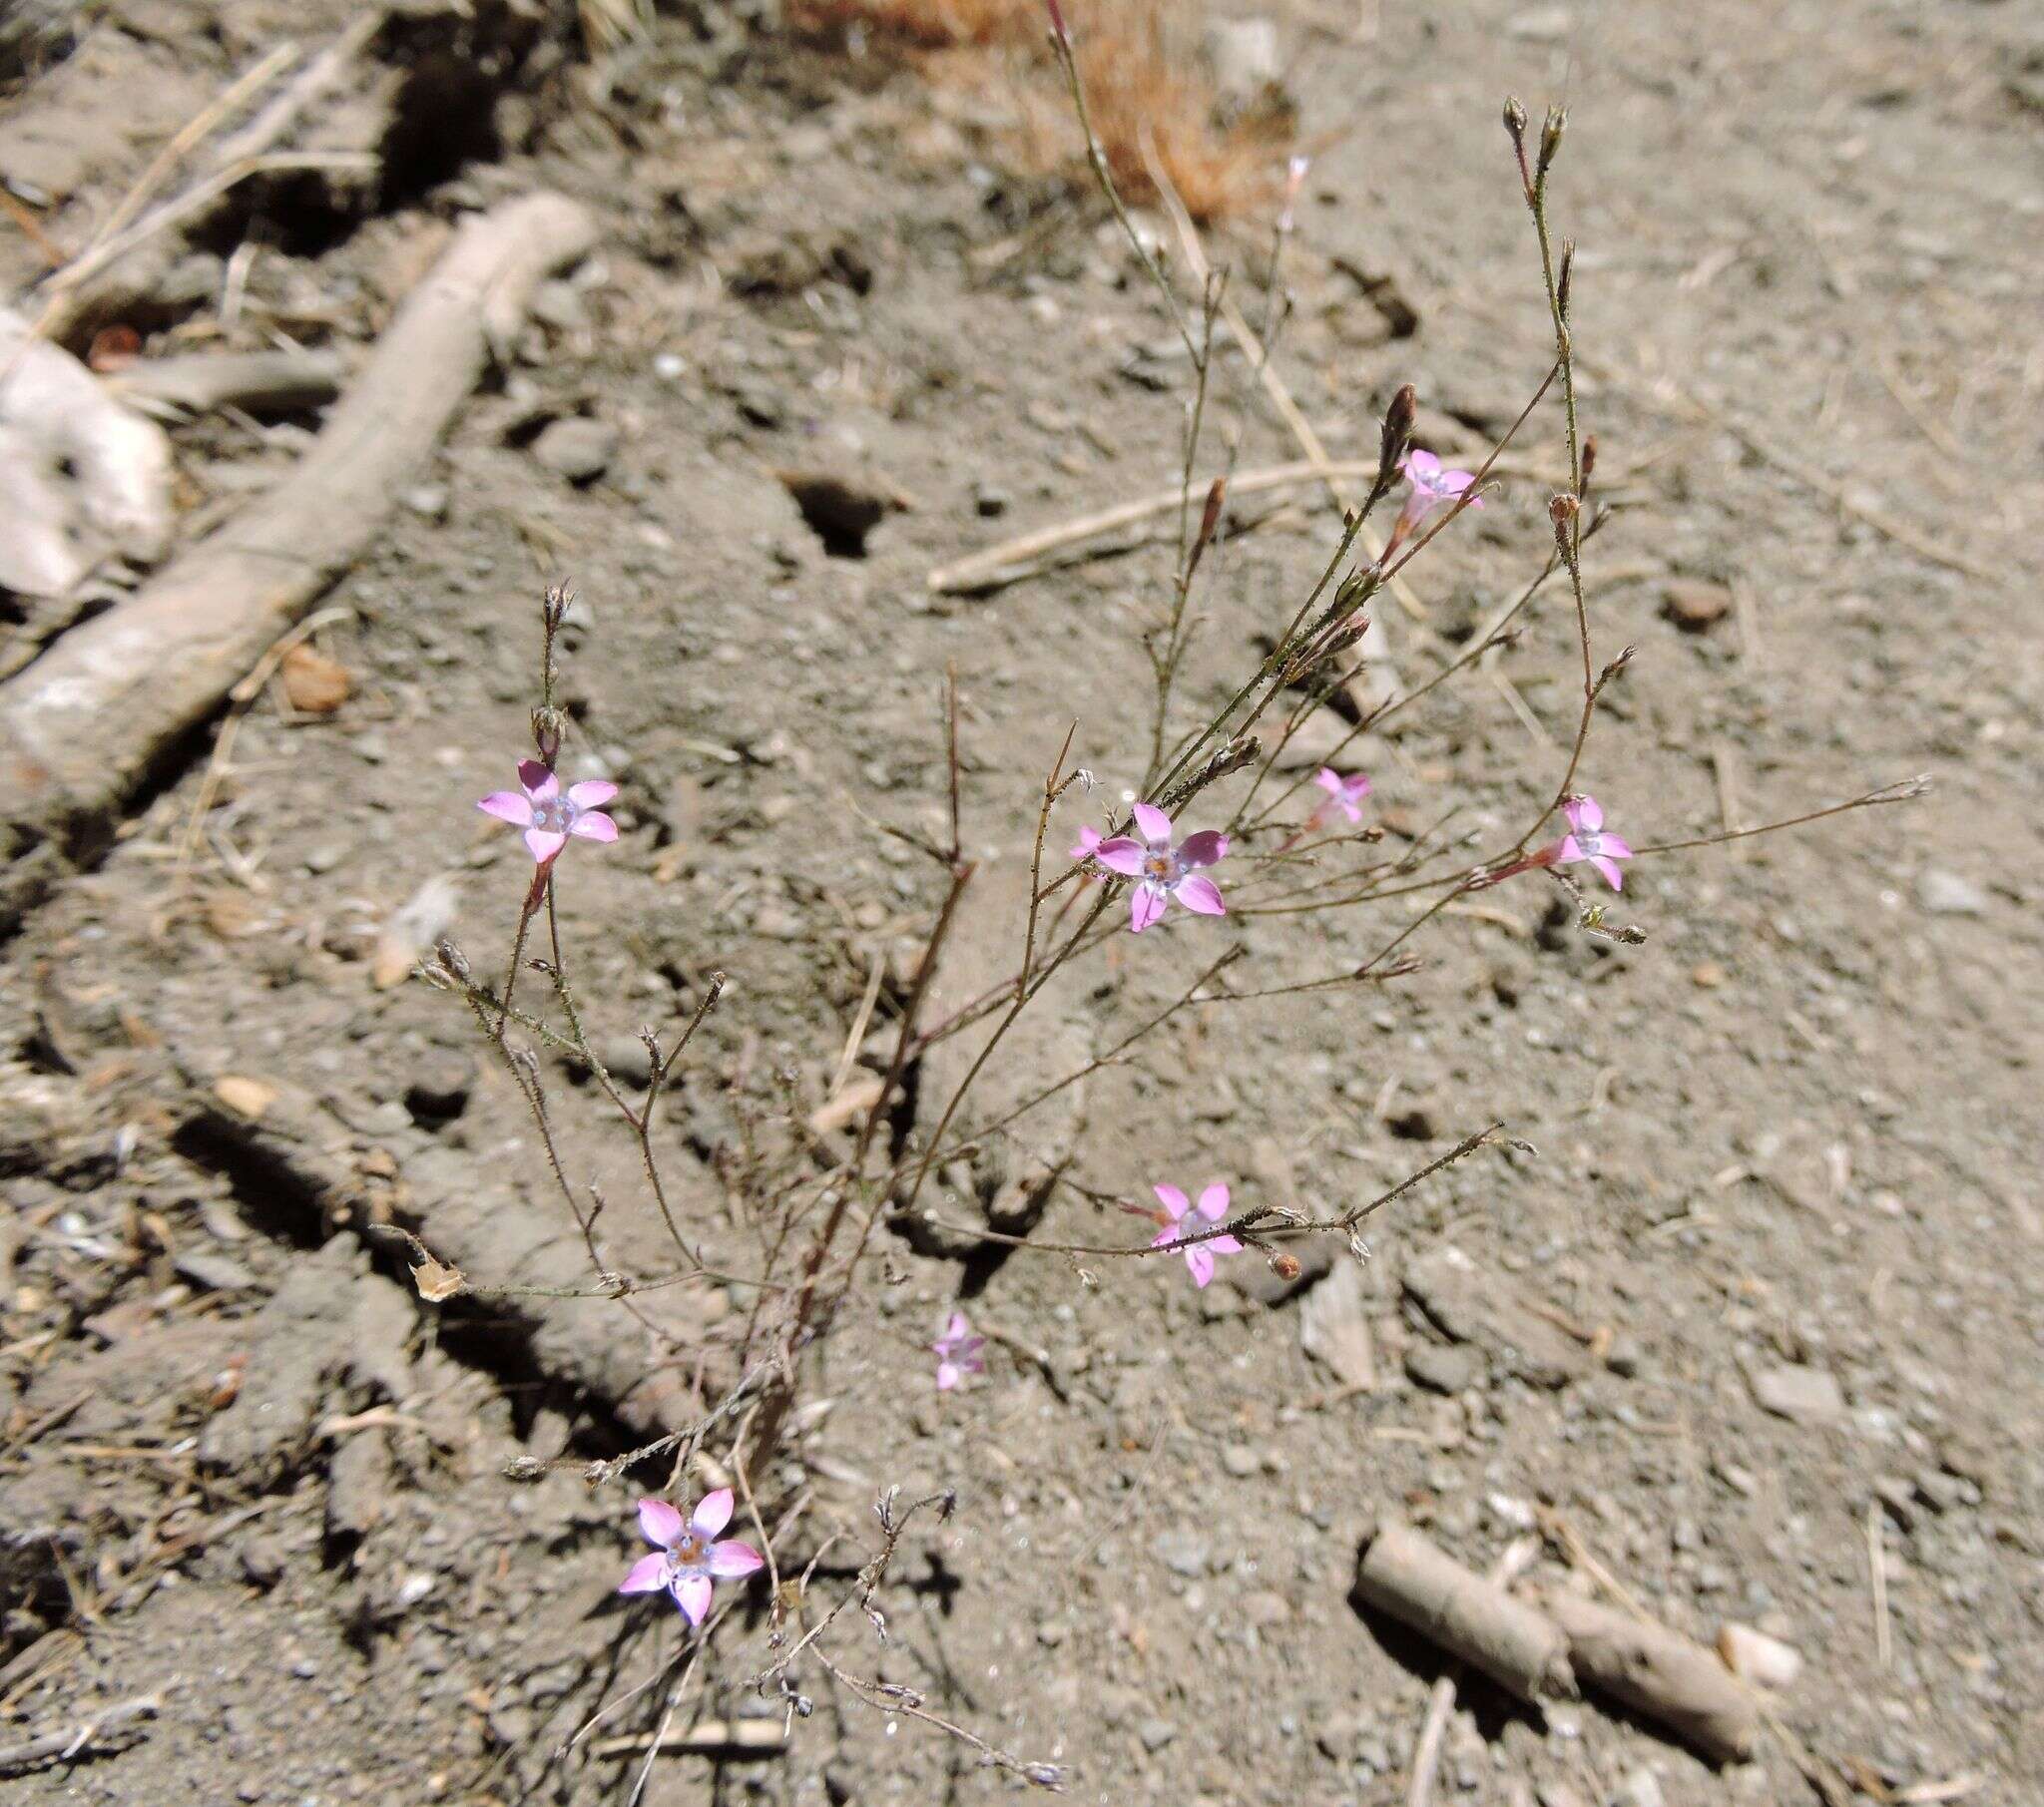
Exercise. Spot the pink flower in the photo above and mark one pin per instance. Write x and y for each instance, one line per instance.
(1087, 843)
(1165, 869)
(548, 814)
(1588, 841)
(1294, 180)
(690, 1556)
(1213, 1206)
(959, 1353)
(1433, 489)
(1343, 794)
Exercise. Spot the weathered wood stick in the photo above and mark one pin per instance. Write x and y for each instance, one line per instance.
(309, 1164)
(1661, 1676)
(1441, 1702)
(263, 383)
(111, 1727)
(83, 726)
(706, 1737)
(1517, 1645)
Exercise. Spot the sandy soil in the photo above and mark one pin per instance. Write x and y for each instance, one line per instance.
(1759, 1323)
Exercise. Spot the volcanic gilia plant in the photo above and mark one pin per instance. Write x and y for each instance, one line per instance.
(1210, 797)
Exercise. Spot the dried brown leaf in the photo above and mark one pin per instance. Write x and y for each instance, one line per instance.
(313, 684)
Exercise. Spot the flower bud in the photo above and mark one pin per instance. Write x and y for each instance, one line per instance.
(1560, 282)
(546, 735)
(1210, 516)
(1284, 1266)
(1589, 457)
(1550, 136)
(1562, 511)
(1057, 24)
(1398, 434)
(1515, 120)
(554, 607)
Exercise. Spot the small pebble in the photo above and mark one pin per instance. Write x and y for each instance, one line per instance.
(1639, 1789)
(441, 1088)
(1947, 894)
(1694, 604)
(1182, 1552)
(1802, 1395)
(1445, 1367)
(1156, 1734)
(428, 500)
(628, 1061)
(1624, 1357)
(577, 448)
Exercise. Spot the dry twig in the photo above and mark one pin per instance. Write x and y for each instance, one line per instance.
(85, 725)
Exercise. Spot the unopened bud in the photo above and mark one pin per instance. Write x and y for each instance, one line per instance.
(1397, 435)
(1515, 128)
(452, 958)
(1210, 516)
(546, 735)
(554, 606)
(1562, 511)
(1284, 1266)
(1561, 282)
(1057, 24)
(1550, 136)
(1589, 457)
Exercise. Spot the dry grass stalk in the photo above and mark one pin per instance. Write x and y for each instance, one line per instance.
(1141, 73)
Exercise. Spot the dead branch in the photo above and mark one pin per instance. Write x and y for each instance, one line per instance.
(510, 1245)
(262, 383)
(1516, 1646)
(1441, 1702)
(82, 727)
(86, 286)
(1660, 1674)
(104, 1730)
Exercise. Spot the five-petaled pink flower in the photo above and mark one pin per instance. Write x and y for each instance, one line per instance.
(1434, 488)
(690, 1556)
(1343, 794)
(1165, 869)
(549, 815)
(959, 1353)
(1213, 1206)
(1587, 840)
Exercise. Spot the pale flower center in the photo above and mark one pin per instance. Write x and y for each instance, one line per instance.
(556, 816)
(1160, 866)
(686, 1554)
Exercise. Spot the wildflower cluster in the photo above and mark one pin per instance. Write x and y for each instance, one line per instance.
(1323, 855)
